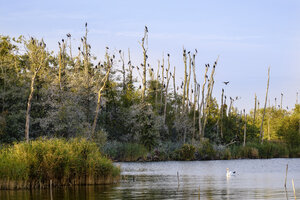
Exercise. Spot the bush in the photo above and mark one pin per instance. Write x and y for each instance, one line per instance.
(76, 161)
(206, 151)
(186, 152)
(125, 151)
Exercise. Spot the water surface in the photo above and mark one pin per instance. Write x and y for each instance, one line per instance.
(255, 179)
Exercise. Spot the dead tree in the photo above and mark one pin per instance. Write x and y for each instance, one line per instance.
(103, 83)
(162, 79)
(185, 80)
(61, 61)
(166, 88)
(208, 96)
(202, 100)
(195, 94)
(157, 83)
(254, 112)
(174, 86)
(130, 69)
(221, 117)
(37, 58)
(144, 45)
(123, 72)
(188, 82)
(262, 121)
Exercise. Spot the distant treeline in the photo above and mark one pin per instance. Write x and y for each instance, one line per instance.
(116, 101)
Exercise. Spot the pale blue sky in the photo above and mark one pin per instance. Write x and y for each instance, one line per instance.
(249, 36)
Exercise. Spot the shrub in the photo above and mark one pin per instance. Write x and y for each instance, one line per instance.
(125, 151)
(186, 152)
(76, 161)
(206, 151)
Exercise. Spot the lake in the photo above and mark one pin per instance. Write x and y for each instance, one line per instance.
(254, 179)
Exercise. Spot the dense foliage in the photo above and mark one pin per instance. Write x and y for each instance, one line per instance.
(66, 93)
(72, 162)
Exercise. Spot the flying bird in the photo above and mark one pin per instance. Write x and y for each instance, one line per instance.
(226, 82)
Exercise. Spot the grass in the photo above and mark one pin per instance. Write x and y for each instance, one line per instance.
(73, 162)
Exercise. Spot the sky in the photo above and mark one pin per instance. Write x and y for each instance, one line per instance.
(248, 36)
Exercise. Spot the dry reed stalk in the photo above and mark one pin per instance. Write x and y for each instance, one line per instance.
(294, 189)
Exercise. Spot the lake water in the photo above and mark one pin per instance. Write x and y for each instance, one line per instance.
(255, 179)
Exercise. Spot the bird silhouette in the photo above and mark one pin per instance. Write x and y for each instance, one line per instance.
(226, 82)
(146, 28)
(196, 51)
(68, 35)
(85, 24)
(168, 55)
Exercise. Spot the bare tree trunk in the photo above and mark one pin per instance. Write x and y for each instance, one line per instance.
(185, 80)
(208, 96)
(254, 112)
(157, 83)
(130, 68)
(175, 94)
(230, 106)
(202, 101)
(123, 72)
(188, 82)
(103, 82)
(222, 109)
(245, 128)
(262, 122)
(145, 49)
(195, 96)
(166, 89)
(162, 79)
(29, 106)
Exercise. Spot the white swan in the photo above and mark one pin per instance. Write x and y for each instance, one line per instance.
(229, 173)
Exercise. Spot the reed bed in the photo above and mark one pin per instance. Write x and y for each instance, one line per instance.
(59, 161)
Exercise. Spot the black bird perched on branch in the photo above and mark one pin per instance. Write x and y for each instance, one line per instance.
(168, 55)
(146, 29)
(85, 24)
(140, 87)
(62, 40)
(196, 51)
(79, 48)
(59, 43)
(120, 51)
(68, 35)
(226, 82)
